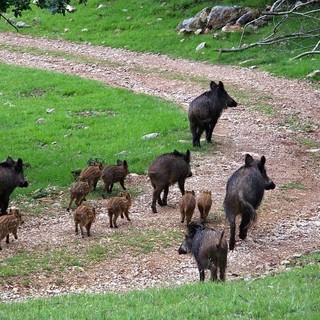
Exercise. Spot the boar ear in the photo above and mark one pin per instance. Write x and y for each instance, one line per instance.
(188, 155)
(125, 164)
(9, 162)
(19, 165)
(248, 160)
(221, 86)
(119, 162)
(212, 85)
(263, 161)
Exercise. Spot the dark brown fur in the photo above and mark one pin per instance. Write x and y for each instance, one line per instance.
(204, 204)
(92, 174)
(84, 216)
(187, 206)
(118, 206)
(113, 174)
(78, 192)
(209, 248)
(11, 176)
(9, 224)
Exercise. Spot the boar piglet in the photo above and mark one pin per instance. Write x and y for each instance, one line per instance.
(113, 174)
(244, 193)
(92, 174)
(117, 206)
(84, 216)
(205, 110)
(187, 206)
(204, 204)
(209, 248)
(78, 192)
(9, 224)
(11, 176)
(165, 171)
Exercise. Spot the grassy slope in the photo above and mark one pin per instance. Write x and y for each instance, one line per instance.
(149, 25)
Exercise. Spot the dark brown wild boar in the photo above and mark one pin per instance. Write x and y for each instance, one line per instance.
(78, 192)
(11, 176)
(165, 171)
(204, 204)
(117, 206)
(113, 174)
(84, 216)
(205, 110)
(9, 224)
(92, 174)
(209, 248)
(187, 206)
(244, 193)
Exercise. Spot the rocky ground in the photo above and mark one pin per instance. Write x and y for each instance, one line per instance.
(288, 220)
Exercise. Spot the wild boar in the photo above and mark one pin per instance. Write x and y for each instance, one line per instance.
(78, 192)
(11, 176)
(209, 248)
(165, 171)
(187, 206)
(205, 110)
(92, 174)
(204, 204)
(84, 216)
(117, 206)
(244, 193)
(9, 224)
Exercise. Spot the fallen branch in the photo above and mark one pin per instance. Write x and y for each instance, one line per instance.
(313, 51)
(2, 16)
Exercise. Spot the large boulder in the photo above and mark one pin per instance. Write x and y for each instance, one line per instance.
(219, 16)
(199, 21)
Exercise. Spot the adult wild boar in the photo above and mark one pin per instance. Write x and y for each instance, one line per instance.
(165, 171)
(11, 176)
(244, 193)
(209, 248)
(205, 110)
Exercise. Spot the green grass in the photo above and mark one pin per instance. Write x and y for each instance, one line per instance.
(291, 295)
(149, 26)
(24, 263)
(90, 120)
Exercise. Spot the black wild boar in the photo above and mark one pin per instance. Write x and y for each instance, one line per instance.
(205, 110)
(11, 176)
(113, 174)
(244, 193)
(84, 216)
(187, 206)
(165, 171)
(9, 224)
(209, 248)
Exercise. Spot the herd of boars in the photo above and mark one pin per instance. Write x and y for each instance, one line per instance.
(244, 190)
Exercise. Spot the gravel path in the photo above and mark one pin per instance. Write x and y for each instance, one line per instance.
(288, 220)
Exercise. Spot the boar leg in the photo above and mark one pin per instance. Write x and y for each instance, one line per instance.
(213, 271)
(88, 229)
(232, 240)
(70, 202)
(4, 205)
(115, 216)
(7, 238)
(244, 226)
(201, 273)
(165, 196)
(126, 213)
(122, 184)
(81, 229)
(181, 186)
(76, 228)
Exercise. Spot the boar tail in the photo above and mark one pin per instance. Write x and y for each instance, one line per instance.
(220, 241)
(248, 211)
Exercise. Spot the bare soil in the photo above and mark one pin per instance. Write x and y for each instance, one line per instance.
(288, 220)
